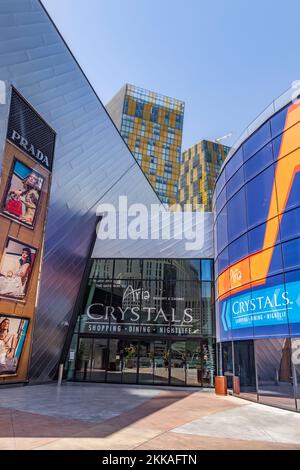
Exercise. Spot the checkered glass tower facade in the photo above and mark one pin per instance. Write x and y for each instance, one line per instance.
(199, 169)
(151, 124)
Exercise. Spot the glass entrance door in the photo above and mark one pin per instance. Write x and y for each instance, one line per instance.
(129, 361)
(99, 362)
(114, 371)
(161, 363)
(149, 362)
(84, 359)
(194, 375)
(146, 356)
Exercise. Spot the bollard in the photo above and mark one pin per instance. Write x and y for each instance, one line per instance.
(221, 385)
(60, 374)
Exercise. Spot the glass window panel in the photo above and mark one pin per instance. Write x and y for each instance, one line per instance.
(178, 363)
(256, 236)
(258, 196)
(296, 367)
(274, 373)
(102, 269)
(207, 317)
(101, 357)
(208, 362)
(276, 144)
(244, 368)
(128, 354)
(220, 183)
(290, 224)
(193, 363)
(291, 254)
(293, 198)
(128, 268)
(292, 286)
(235, 183)
(84, 359)
(236, 215)
(257, 140)
(234, 163)
(238, 249)
(222, 238)
(146, 356)
(258, 162)
(227, 362)
(206, 270)
(223, 261)
(278, 122)
(221, 201)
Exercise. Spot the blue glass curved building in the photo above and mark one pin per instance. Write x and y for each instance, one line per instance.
(257, 259)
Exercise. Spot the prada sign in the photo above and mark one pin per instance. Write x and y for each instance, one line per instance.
(28, 131)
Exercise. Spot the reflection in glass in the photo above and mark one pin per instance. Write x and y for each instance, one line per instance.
(274, 372)
(146, 356)
(161, 362)
(244, 367)
(84, 359)
(193, 363)
(178, 363)
(114, 369)
(208, 362)
(296, 368)
(227, 363)
(206, 270)
(129, 357)
(100, 360)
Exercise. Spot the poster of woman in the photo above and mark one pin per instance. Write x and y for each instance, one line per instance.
(12, 335)
(15, 269)
(23, 193)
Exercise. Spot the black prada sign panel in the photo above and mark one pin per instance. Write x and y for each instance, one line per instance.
(28, 131)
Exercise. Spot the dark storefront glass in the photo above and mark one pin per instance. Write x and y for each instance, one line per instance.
(274, 372)
(244, 367)
(227, 362)
(295, 346)
(148, 322)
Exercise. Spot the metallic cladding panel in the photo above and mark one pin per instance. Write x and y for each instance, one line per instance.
(90, 158)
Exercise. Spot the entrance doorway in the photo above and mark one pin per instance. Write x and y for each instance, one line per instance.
(144, 361)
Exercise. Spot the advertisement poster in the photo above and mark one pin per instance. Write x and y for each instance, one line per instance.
(22, 196)
(15, 269)
(12, 335)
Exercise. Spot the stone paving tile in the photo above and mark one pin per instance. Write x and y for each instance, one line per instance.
(251, 422)
(14, 423)
(168, 419)
(185, 441)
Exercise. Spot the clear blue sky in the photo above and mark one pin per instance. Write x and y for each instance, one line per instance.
(227, 59)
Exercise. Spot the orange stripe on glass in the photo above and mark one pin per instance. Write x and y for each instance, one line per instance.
(253, 269)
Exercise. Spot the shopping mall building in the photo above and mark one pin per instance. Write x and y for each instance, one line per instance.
(137, 311)
(120, 310)
(257, 257)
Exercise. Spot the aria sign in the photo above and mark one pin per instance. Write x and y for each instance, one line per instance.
(133, 318)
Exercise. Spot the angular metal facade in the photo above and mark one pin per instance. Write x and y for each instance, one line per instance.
(91, 159)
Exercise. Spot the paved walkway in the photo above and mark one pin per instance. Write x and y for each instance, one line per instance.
(103, 416)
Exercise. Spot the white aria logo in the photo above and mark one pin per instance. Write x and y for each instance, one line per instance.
(135, 294)
(235, 275)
